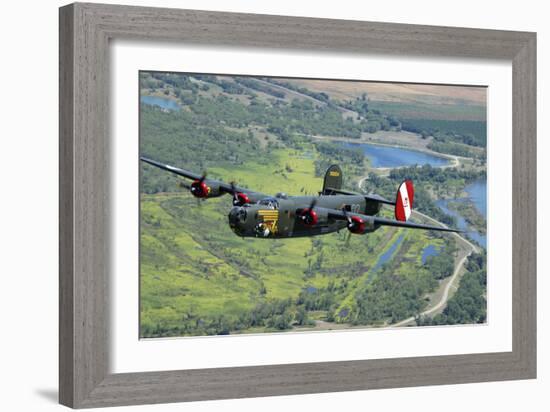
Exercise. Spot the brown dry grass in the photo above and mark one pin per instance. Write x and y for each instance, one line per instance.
(400, 92)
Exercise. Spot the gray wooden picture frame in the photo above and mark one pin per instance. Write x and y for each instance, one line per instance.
(85, 32)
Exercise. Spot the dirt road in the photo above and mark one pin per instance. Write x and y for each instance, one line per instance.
(448, 284)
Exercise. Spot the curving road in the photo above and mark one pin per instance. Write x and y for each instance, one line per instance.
(455, 162)
(443, 301)
(445, 296)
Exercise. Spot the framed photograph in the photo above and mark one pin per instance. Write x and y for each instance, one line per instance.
(257, 205)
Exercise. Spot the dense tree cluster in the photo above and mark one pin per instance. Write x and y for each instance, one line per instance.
(303, 90)
(442, 264)
(428, 173)
(339, 153)
(469, 303)
(456, 149)
(391, 298)
(259, 86)
(470, 132)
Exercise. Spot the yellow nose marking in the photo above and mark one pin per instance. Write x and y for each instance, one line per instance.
(270, 218)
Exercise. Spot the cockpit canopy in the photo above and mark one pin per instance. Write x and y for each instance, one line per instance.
(270, 202)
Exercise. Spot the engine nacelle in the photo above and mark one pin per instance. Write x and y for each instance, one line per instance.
(312, 216)
(241, 199)
(360, 226)
(309, 217)
(204, 189)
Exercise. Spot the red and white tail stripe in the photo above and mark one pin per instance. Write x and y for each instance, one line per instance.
(404, 201)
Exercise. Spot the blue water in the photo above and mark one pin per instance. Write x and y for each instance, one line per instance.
(387, 254)
(477, 194)
(428, 251)
(163, 102)
(387, 156)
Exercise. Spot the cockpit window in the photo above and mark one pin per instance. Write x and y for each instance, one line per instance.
(270, 202)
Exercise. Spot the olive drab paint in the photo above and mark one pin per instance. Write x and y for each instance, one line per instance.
(259, 215)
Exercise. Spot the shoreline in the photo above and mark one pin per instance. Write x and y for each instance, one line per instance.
(396, 146)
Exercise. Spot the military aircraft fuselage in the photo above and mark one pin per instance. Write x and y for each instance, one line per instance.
(280, 216)
(255, 214)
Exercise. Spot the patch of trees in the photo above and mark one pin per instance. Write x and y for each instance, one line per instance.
(294, 118)
(470, 132)
(275, 315)
(316, 95)
(456, 149)
(261, 87)
(339, 153)
(469, 303)
(442, 265)
(427, 173)
(176, 80)
(187, 140)
(230, 87)
(322, 298)
(391, 297)
(359, 105)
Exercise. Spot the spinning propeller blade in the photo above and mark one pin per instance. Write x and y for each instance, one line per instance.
(350, 225)
(234, 194)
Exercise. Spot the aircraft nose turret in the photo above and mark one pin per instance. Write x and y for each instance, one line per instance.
(237, 218)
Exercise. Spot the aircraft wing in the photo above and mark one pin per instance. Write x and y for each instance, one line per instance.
(172, 169)
(223, 187)
(375, 198)
(374, 221)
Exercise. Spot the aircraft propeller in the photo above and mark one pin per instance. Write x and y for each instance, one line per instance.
(234, 194)
(309, 216)
(350, 225)
(199, 188)
(355, 224)
(239, 198)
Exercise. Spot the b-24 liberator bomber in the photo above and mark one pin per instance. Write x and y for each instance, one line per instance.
(259, 215)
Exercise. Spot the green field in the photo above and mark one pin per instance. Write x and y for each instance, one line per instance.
(198, 278)
(456, 112)
(195, 271)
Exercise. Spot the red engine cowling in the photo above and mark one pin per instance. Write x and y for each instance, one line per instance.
(241, 199)
(309, 217)
(200, 189)
(357, 225)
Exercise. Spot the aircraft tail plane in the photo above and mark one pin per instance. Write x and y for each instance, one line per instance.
(404, 201)
(333, 180)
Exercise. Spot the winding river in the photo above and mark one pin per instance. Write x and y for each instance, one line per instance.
(390, 156)
(477, 194)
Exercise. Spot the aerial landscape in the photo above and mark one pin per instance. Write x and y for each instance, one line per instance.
(277, 135)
